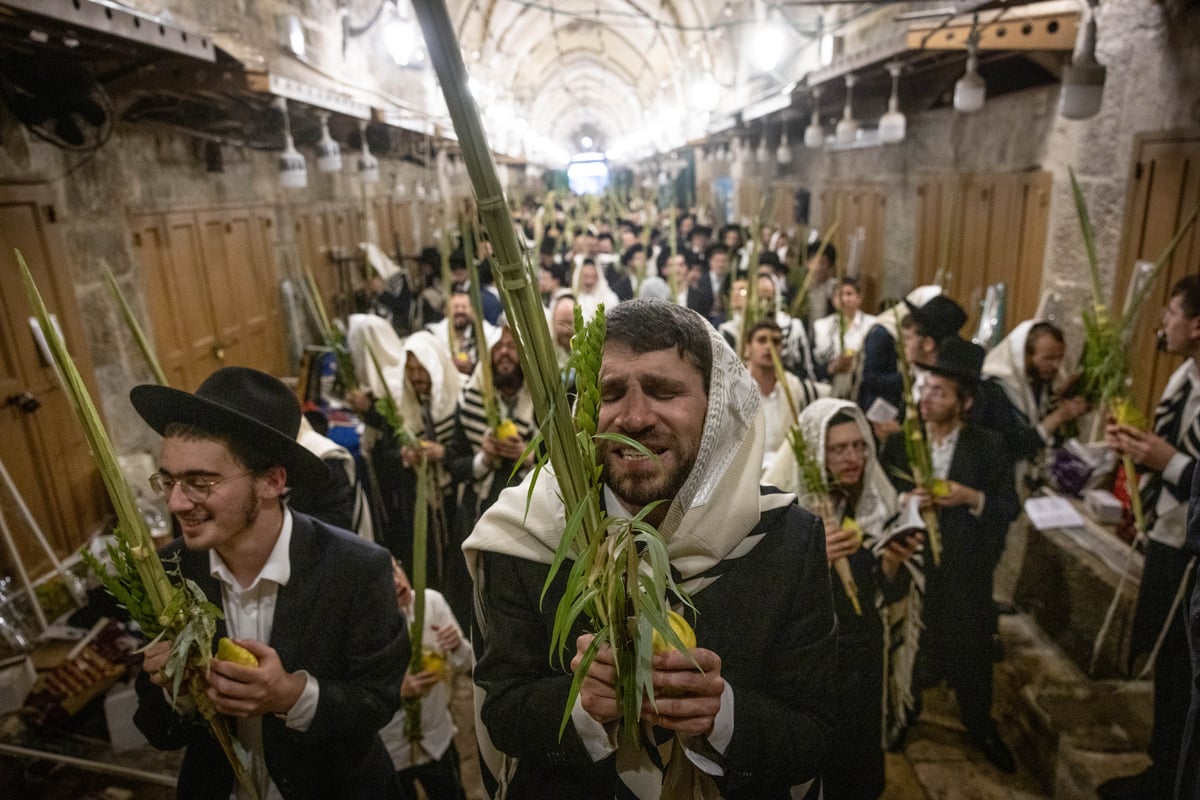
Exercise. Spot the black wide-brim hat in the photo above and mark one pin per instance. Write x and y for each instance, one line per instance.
(244, 405)
(940, 317)
(960, 360)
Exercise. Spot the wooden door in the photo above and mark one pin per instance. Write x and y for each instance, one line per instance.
(191, 300)
(44, 450)
(167, 329)
(212, 288)
(1164, 185)
(243, 289)
(860, 212)
(983, 229)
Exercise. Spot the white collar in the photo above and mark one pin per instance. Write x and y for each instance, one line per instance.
(278, 567)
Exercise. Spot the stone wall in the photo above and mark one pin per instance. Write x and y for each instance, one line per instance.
(1151, 85)
(145, 169)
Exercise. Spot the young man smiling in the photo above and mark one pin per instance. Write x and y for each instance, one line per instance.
(755, 722)
(314, 604)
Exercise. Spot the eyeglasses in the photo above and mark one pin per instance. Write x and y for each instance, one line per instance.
(848, 449)
(194, 487)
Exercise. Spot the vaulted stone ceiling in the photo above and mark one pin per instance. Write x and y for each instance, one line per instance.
(633, 75)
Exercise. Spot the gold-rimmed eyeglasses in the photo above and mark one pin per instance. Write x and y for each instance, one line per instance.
(196, 488)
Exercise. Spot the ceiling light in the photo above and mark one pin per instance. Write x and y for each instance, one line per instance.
(893, 125)
(814, 134)
(970, 90)
(368, 164)
(329, 154)
(293, 170)
(762, 155)
(399, 188)
(847, 127)
(419, 191)
(401, 40)
(1083, 78)
(783, 154)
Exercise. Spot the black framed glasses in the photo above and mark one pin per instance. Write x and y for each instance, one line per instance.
(196, 488)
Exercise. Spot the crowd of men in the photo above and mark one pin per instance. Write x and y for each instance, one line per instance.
(819, 611)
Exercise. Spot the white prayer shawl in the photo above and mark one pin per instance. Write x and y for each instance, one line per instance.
(1170, 524)
(445, 381)
(706, 522)
(369, 330)
(600, 293)
(876, 508)
(441, 335)
(327, 449)
(1006, 363)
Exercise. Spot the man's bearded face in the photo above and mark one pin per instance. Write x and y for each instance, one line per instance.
(658, 400)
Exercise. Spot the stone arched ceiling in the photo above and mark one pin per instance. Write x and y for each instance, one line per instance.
(635, 76)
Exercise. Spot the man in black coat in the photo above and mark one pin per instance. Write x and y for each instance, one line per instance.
(756, 722)
(314, 604)
(973, 514)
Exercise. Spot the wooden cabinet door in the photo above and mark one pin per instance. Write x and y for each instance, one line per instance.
(213, 291)
(44, 450)
(982, 229)
(860, 211)
(191, 301)
(1163, 188)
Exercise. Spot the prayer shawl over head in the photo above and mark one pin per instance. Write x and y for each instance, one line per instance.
(1007, 364)
(376, 332)
(875, 511)
(707, 521)
(600, 293)
(473, 418)
(445, 382)
(708, 518)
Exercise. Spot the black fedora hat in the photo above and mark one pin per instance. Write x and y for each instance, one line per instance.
(960, 360)
(244, 405)
(940, 317)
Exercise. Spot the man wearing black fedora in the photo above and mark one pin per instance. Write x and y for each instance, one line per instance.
(973, 514)
(313, 603)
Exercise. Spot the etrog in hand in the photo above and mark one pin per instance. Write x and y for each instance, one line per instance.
(506, 430)
(682, 629)
(433, 661)
(227, 650)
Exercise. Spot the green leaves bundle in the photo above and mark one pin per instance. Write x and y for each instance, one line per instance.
(916, 447)
(179, 612)
(814, 483)
(576, 475)
(1107, 370)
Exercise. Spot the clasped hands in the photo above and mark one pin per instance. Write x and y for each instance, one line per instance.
(234, 689)
(688, 699)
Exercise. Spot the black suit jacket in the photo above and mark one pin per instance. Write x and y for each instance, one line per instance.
(958, 595)
(336, 618)
(770, 618)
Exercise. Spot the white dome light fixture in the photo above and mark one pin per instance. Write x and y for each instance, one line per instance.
(970, 91)
(847, 127)
(329, 154)
(814, 134)
(763, 154)
(1083, 78)
(368, 164)
(293, 169)
(893, 125)
(783, 154)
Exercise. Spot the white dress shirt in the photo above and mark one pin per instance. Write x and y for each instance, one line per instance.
(437, 726)
(250, 614)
